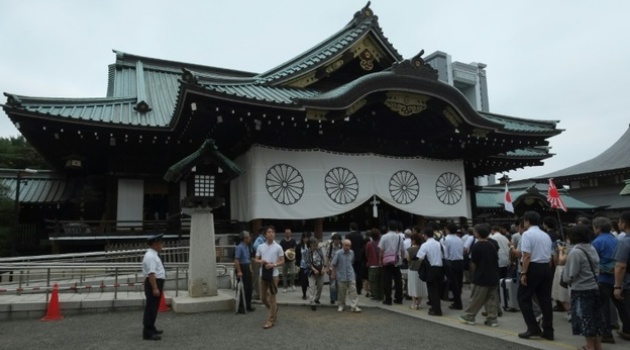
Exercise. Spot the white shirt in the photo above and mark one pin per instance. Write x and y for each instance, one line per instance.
(151, 263)
(621, 235)
(453, 247)
(407, 243)
(537, 243)
(270, 253)
(504, 248)
(431, 249)
(469, 242)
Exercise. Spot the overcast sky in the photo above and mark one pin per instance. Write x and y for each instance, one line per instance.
(563, 60)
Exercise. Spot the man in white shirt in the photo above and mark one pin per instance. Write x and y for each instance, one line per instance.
(431, 250)
(536, 277)
(391, 252)
(269, 255)
(454, 249)
(154, 273)
(504, 250)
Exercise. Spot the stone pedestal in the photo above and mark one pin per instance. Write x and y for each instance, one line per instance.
(202, 264)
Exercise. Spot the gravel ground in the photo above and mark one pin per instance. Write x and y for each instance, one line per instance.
(297, 328)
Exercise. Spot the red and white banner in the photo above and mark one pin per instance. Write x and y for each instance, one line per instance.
(553, 197)
(507, 200)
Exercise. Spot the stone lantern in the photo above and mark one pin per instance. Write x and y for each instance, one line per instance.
(205, 171)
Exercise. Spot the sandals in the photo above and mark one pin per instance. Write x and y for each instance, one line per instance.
(268, 325)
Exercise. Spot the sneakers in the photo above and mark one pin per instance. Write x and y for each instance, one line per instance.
(491, 323)
(355, 309)
(284, 290)
(293, 288)
(340, 308)
(467, 319)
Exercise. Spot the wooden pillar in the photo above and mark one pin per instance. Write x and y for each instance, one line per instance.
(319, 228)
(421, 222)
(256, 226)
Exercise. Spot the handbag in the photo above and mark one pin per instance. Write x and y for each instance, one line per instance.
(391, 258)
(267, 274)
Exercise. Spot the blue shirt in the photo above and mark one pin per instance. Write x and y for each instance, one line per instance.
(454, 247)
(259, 240)
(622, 254)
(242, 254)
(605, 244)
(538, 244)
(342, 261)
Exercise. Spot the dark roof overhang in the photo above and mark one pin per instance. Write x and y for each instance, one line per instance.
(614, 160)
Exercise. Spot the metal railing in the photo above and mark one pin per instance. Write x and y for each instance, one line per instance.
(104, 271)
(79, 277)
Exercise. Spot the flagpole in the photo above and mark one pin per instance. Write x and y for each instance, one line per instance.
(560, 225)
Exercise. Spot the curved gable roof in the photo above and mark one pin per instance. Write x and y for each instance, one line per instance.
(615, 157)
(363, 24)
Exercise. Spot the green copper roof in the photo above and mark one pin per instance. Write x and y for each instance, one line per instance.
(261, 93)
(41, 188)
(208, 148)
(523, 125)
(626, 190)
(536, 153)
(363, 23)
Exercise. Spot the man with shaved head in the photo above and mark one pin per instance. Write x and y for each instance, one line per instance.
(342, 271)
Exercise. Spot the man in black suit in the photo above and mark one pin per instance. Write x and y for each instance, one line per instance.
(356, 239)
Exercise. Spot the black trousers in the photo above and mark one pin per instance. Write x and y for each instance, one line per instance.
(435, 281)
(456, 279)
(358, 273)
(303, 280)
(247, 285)
(623, 307)
(539, 282)
(151, 307)
(392, 273)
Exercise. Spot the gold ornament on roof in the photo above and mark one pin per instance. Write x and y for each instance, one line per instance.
(406, 104)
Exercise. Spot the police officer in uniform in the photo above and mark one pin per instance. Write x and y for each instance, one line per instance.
(154, 273)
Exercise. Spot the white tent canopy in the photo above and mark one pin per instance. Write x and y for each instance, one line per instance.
(307, 184)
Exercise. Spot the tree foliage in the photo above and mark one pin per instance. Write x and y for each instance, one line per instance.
(16, 153)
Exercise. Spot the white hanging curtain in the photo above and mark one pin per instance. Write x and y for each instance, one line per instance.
(294, 184)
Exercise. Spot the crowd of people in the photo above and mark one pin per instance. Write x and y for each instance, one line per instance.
(581, 271)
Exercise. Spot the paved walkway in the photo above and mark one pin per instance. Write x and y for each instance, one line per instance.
(31, 308)
(510, 324)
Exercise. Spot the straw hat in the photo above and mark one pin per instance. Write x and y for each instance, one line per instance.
(290, 254)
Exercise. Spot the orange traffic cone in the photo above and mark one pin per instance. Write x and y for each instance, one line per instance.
(163, 306)
(53, 313)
